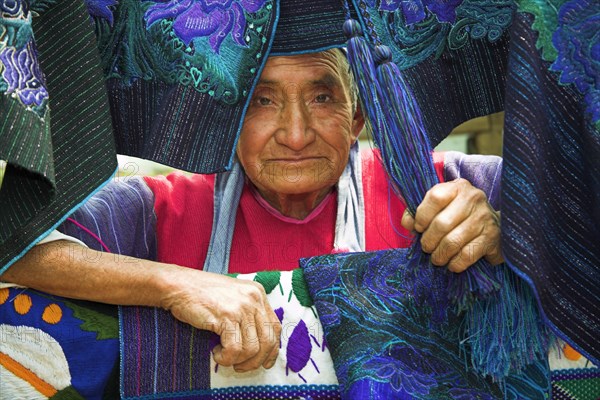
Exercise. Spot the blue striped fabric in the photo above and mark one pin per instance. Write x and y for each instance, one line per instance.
(551, 192)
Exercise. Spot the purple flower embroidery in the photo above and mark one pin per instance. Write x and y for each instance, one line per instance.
(23, 75)
(578, 44)
(199, 18)
(444, 10)
(100, 9)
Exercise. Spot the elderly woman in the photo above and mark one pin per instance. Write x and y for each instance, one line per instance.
(296, 147)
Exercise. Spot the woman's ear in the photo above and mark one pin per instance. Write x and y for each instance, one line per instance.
(358, 123)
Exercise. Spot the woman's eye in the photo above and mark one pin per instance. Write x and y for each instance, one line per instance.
(264, 101)
(322, 98)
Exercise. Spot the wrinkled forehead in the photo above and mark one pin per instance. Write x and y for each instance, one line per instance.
(324, 67)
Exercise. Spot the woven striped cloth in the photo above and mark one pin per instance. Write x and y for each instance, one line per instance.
(551, 176)
(55, 127)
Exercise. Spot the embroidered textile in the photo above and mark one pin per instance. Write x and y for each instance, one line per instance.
(172, 64)
(164, 358)
(386, 346)
(576, 384)
(52, 347)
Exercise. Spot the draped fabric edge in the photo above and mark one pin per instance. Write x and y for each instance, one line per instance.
(57, 223)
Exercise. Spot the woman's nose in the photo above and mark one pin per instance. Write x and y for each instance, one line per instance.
(297, 132)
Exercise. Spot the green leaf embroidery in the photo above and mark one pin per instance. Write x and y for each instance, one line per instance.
(68, 393)
(269, 279)
(105, 326)
(545, 23)
(300, 288)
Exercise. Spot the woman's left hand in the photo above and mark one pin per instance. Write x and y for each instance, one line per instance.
(458, 226)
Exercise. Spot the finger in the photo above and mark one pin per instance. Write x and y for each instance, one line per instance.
(453, 243)
(269, 334)
(271, 358)
(435, 200)
(273, 332)
(493, 253)
(273, 325)
(481, 235)
(408, 222)
(228, 352)
(455, 213)
(467, 256)
(251, 346)
(263, 346)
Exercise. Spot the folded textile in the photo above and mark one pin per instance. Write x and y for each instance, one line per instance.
(56, 132)
(384, 346)
(64, 347)
(551, 177)
(164, 358)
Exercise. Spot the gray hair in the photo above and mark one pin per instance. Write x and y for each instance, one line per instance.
(339, 55)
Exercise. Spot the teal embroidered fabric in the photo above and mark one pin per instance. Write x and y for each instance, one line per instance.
(183, 71)
(416, 30)
(386, 344)
(452, 54)
(212, 47)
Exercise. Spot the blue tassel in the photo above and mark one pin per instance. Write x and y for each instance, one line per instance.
(363, 68)
(503, 329)
(409, 142)
(505, 332)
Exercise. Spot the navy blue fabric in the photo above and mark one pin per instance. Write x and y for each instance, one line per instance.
(551, 192)
(308, 26)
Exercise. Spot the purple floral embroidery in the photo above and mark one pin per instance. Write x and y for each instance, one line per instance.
(415, 11)
(101, 9)
(578, 44)
(200, 18)
(444, 10)
(23, 75)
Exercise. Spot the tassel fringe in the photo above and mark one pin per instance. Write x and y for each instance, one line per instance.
(503, 330)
